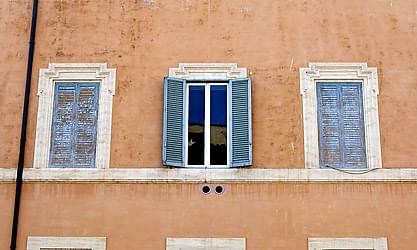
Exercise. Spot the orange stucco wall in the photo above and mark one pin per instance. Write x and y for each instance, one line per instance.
(272, 39)
(270, 216)
(142, 39)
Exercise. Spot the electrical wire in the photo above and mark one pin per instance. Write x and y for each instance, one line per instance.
(353, 171)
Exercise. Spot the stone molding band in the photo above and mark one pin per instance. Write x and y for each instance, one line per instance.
(167, 175)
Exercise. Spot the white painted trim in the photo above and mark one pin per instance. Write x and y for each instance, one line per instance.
(207, 122)
(93, 243)
(193, 175)
(347, 243)
(340, 71)
(74, 72)
(205, 243)
(208, 71)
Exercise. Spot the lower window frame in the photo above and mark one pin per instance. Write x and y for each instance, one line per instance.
(39, 243)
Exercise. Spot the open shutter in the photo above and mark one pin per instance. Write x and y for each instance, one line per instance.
(240, 122)
(63, 125)
(85, 135)
(341, 129)
(173, 150)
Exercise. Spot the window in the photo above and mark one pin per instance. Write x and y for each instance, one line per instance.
(207, 116)
(74, 116)
(205, 243)
(347, 244)
(74, 124)
(340, 112)
(340, 122)
(207, 124)
(66, 243)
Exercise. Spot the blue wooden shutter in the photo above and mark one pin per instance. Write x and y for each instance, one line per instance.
(340, 120)
(240, 122)
(354, 155)
(74, 125)
(86, 126)
(173, 149)
(63, 125)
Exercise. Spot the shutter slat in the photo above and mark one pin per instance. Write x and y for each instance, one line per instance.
(173, 141)
(240, 122)
(341, 127)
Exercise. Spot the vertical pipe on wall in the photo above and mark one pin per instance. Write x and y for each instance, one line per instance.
(20, 166)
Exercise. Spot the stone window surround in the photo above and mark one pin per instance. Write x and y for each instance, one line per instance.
(347, 243)
(207, 71)
(204, 243)
(340, 72)
(93, 243)
(74, 72)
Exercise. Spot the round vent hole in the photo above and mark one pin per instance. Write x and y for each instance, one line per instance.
(205, 189)
(219, 189)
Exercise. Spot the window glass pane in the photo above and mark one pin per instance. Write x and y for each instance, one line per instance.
(196, 125)
(218, 125)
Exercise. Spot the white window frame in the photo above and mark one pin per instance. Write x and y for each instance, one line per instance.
(205, 243)
(207, 73)
(347, 243)
(93, 243)
(207, 124)
(67, 72)
(338, 72)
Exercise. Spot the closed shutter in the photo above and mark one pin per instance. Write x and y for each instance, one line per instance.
(353, 127)
(341, 129)
(63, 126)
(74, 125)
(240, 122)
(173, 151)
(86, 126)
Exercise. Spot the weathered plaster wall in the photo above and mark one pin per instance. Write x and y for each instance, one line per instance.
(142, 39)
(270, 216)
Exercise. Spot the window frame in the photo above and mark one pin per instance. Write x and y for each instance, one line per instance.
(203, 243)
(39, 243)
(204, 73)
(342, 72)
(347, 243)
(74, 72)
(207, 151)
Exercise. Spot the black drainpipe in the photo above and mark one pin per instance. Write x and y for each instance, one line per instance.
(24, 126)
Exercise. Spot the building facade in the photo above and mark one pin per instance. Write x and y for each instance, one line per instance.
(211, 124)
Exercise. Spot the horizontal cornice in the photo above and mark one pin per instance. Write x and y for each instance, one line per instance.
(181, 175)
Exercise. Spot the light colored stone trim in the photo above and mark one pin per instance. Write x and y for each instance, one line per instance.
(347, 72)
(207, 71)
(184, 175)
(347, 243)
(93, 243)
(74, 72)
(205, 243)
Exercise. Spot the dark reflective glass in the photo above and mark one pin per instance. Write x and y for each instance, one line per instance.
(196, 125)
(218, 125)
